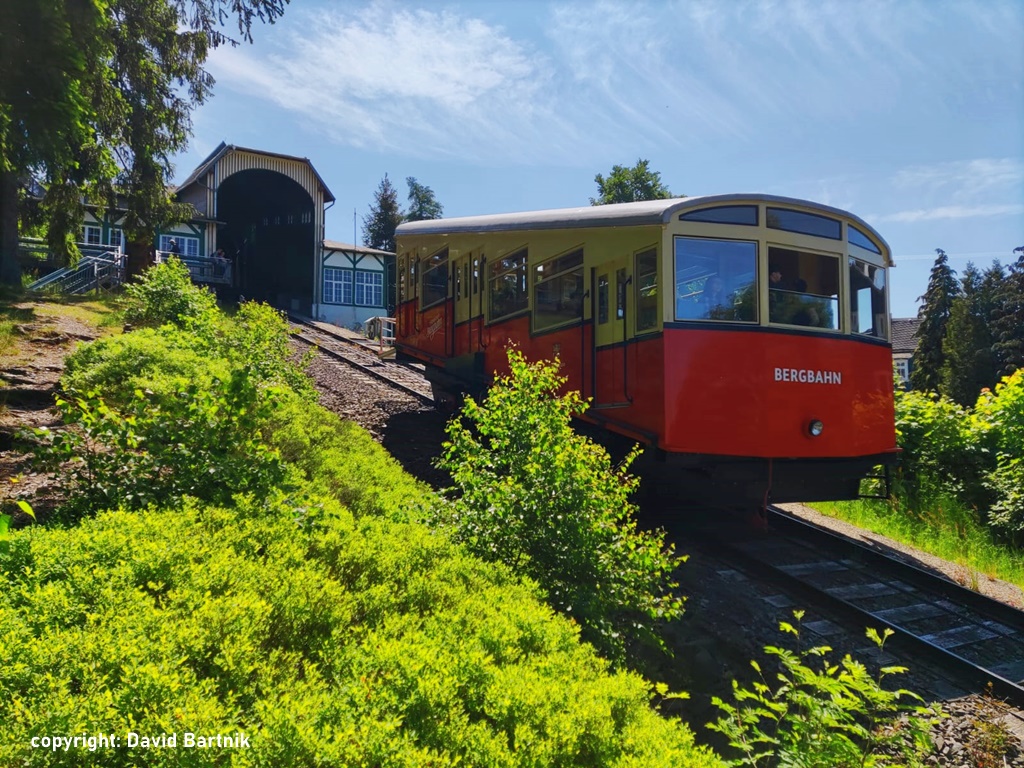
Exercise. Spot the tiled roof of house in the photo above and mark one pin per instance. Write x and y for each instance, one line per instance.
(903, 330)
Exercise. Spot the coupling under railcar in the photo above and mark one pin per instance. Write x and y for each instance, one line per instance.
(743, 338)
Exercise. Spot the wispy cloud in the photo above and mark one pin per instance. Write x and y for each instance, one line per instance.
(953, 212)
(610, 75)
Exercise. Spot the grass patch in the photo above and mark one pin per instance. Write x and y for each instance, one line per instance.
(941, 526)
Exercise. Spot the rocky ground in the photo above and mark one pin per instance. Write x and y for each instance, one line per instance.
(729, 619)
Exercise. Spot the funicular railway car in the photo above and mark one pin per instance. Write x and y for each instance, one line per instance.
(743, 338)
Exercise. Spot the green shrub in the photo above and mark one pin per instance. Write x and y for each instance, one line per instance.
(258, 336)
(341, 459)
(162, 361)
(206, 441)
(165, 293)
(341, 643)
(999, 425)
(538, 497)
(835, 716)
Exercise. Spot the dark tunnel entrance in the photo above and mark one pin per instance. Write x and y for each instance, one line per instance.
(268, 235)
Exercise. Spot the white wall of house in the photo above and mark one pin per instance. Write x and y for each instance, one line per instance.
(353, 289)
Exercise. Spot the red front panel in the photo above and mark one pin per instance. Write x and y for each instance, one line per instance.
(749, 393)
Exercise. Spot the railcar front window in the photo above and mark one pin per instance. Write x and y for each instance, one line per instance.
(804, 223)
(860, 239)
(558, 291)
(868, 315)
(724, 214)
(507, 289)
(715, 279)
(435, 279)
(803, 288)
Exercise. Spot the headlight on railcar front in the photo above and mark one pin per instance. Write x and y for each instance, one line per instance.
(815, 428)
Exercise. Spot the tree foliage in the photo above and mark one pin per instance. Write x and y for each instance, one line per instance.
(938, 299)
(380, 223)
(970, 364)
(1008, 325)
(628, 185)
(548, 502)
(96, 93)
(422, 202)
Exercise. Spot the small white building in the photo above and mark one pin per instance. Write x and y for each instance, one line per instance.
(356, 284)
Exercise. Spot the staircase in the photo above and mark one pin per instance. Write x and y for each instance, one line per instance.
(96, 270)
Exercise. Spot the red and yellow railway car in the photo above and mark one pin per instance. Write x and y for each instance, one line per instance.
(743, 338)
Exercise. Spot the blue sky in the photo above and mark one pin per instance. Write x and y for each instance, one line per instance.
(909, 114)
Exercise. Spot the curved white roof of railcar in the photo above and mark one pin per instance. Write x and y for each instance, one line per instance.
(614, 215)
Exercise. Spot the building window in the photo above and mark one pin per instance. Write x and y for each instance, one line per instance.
(370, 289)
(116, 238)
(90, 235)
(558, 291)
(187, 246)
(903, 370)
(507, 285)
(337, 285)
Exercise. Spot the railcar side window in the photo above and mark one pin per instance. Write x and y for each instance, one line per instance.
(558, 291)
(803, 288)
(804, 223)
(401, 277)
(435, 279)
(715, 279)
(868, 315)
(507, 292)
(647, 290)
(724, 214)
(602, 299)
(858, 238)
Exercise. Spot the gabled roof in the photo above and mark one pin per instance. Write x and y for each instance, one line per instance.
(223, 149)
(904, 330)
(334, 245)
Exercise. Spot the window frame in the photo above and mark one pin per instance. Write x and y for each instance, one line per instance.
(493, 275)
(755, 287)
(438, 262)
(569, 269)
(374, 285)
(652, 251)
(340, 281)
(186, 243)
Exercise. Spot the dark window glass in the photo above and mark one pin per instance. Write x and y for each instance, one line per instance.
(715, 279)
(868, 315)
(558, 291)
(620, 294)
(803, 288)
(647, 291)
(804, 223)
(858, 238)
(435, 279)
(602, 299)
(724, 214)
(507, 290)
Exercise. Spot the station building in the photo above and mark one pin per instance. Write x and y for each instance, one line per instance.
(266, 211)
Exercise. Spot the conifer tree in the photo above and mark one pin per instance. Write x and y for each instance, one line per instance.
(380, 223)
(1008, 323)
(422, 202)
(969, 360)
(934, 314)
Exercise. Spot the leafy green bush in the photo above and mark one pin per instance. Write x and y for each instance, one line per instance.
(165, 293)
(836, 716)
(342, 460)
(163, 361)
(258, 336)
(335, 642)
(538, 497)
(205, 442)
(999, 425)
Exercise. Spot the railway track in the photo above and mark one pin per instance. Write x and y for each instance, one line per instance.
(339, 347)
(967, 635)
